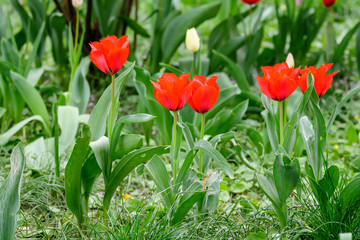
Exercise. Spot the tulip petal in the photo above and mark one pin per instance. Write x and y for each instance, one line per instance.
(119, 43)
(99, 60)
(205, 98)
(166, 99)
(116, 58)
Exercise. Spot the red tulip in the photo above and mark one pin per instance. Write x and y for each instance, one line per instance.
(329, 3)
(110, 54)
(251, 1)
(171, 91)
(322, 81)
(204, 93)
(279, 81)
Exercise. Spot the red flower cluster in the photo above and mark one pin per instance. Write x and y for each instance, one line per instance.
(173, 92)
(280, 81)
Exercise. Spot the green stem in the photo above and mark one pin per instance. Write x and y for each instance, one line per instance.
(202, 137)
(194, 63)
(74, 65)
(281, 103)
(112, 106)
(173, 147)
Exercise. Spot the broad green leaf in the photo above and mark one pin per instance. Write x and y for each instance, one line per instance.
(32, 98)
(267, 184)
(253, 50)
(207, 148)
(80, 90)
(127, 143)
(184, 169)
(236, 71)
(271, 125)
(9, 53)
(351, 93)
(135, 26)
(5, 137)
(135, 118)
(126, 165)
(330, 181)
(192, 195)
(211, 197)
(159, 174)
(10, 194)
(286, 176)
(175, 32)
(340, 49)
(39, 154)
(172, 69)
(73, 196)
(2, 112)
(350, 194)
(34, 50)
(34, 76)
(98, 116)
(68, 120)
(101, 150)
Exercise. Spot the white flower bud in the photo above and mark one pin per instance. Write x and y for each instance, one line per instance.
(290, 60)
(77, 3)
(192, 40)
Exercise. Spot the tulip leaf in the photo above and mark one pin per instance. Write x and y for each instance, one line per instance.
(135, 26)
(184, 169)
(68, 119)
(350, 194)
(73, 196)
(160, 176)
(286, 176)
(10, 194)
(80, 90)
(270, 121)
(34, 50)
(350, 94)
(217, 156)
(236, 71)
(5, 137)
(193, 194)
(127, 143)
(175, 32)
(126, 165)
(97, 120)
(32, 98)
(101, 151)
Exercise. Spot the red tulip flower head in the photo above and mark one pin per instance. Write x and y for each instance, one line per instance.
(322, 80)
(329, 3)
(250, 1)
(204, 93)
(279, 81)
(110, 54)
(171, 91)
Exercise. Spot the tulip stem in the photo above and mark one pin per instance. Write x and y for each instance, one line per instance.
(194, 63)
(173, 147)
(201, 138)
(112, 105)
(281, 122)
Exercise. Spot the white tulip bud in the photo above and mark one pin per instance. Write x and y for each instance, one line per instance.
(290, 60)
(77, 3)
(192, 40)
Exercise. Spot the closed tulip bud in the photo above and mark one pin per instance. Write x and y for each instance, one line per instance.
(192, 40)
(290, 60)
(77, 3)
